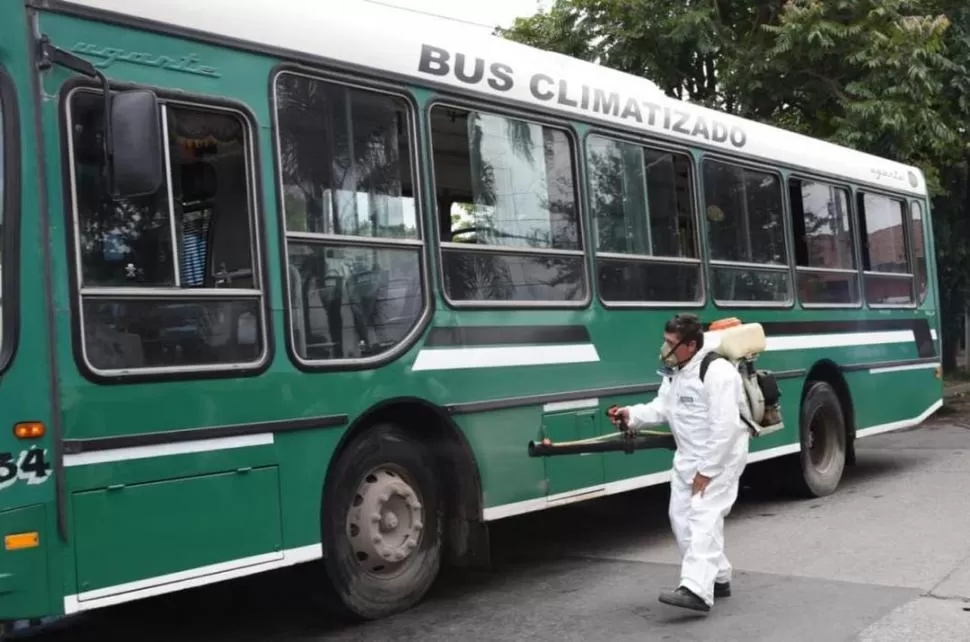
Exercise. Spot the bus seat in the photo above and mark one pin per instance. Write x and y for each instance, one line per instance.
(108, 349)
(297, 310)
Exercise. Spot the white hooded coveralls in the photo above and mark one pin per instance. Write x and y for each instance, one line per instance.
(711, 440)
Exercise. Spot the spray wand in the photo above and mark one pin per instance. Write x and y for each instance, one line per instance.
(625, 440)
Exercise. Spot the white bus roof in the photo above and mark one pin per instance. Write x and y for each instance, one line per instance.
(425, 50)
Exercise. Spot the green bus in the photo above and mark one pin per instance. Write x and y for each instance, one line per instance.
(385, 256)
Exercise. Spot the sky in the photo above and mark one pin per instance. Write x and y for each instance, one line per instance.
(485, 14)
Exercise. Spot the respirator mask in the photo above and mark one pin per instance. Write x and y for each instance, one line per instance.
(668, 359)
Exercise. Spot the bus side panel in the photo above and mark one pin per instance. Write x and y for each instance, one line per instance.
(24, 563)
(109, 493)
(884, 398)
(167, 529)
(31, 574)
(500, 441)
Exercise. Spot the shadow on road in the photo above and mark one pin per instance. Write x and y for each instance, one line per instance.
(283, 605)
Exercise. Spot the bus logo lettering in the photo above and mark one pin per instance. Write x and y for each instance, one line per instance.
(473, 70)
(107, 56)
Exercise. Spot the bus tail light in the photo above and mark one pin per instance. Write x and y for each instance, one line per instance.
(29, 430)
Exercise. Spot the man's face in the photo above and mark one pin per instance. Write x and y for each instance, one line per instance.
(682, 352)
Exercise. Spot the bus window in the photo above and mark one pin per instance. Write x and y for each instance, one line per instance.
(168, 281)
(643, 221)
(353, 240)
(746, 235)
(507, 209)
(888, 277)
(826, 268)
(919, 250)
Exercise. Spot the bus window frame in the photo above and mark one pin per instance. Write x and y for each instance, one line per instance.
(420, 244)
(445, 99)
(11, 204)
(856, 244)
(858, 196)
(594, 253)
(250, 124)
(924, 223)
(710, 265)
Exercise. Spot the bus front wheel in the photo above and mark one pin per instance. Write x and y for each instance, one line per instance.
(823, 442)
(382, 524)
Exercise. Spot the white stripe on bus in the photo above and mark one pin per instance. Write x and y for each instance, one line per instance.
(496, 357)
(503, 511)
(458, 358)
(162, 450)
(911, 366)
(538, 355)
(843, 340)
(190, 578)
(899, 425)
(579, 404)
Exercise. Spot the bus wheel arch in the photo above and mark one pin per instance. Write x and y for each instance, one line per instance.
(830, 373)
(825, 420)
(439, 464)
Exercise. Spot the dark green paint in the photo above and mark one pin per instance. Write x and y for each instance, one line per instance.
(105, 57)
(23, 573)
(499, 440)
(127, 533)
(572, 473)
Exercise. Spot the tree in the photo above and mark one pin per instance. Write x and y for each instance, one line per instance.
(952, 203)
(888, 77)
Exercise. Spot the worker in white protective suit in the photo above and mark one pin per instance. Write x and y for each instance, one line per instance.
(712, 450)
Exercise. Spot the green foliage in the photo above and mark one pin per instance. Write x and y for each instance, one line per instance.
(869, 74)
(889, 77)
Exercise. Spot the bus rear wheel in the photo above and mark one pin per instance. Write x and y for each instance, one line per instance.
(382, 525)
(823, 442)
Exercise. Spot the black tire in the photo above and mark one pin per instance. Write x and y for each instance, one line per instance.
(823, 442)
(355, 590)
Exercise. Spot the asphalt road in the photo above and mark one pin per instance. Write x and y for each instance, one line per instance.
(886, 558)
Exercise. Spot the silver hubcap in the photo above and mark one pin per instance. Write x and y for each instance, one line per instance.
(384, 522)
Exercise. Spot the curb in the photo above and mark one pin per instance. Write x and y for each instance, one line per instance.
(956, 390)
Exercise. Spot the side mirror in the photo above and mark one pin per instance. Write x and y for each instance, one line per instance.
(135, 143)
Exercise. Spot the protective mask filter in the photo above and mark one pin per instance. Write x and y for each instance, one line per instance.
(667, 356)
(668, 359)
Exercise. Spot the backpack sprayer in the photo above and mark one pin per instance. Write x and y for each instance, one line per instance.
(739, 343)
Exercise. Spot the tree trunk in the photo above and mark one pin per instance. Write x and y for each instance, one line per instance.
(950, 339)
